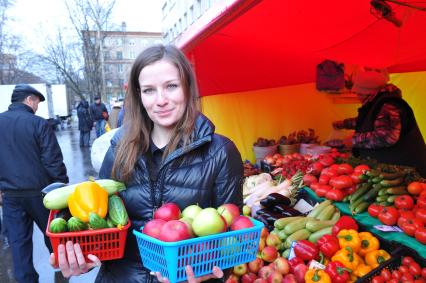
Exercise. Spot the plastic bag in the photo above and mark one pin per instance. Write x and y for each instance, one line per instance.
(99, 149)
(107, 127)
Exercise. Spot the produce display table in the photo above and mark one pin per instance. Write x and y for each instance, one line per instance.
(369, 223)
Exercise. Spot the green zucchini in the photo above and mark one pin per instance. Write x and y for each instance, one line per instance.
(314, 225)
(319, 208)
(327, 213)
(298, 235)
(314, 237)
(295, 225)
(282, 222)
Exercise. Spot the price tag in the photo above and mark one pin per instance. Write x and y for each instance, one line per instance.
(292, 254)
(303, 206)
(316, 265)
(386, 228)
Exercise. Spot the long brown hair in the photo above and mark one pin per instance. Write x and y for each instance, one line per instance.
(137, 125)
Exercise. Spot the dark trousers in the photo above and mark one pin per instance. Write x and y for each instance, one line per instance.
(100, 128)
(19, 213)
(84, 138)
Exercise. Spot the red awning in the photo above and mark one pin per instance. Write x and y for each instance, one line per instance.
(262, 44)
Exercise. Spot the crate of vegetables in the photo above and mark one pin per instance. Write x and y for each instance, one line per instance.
(202, 238)
(97, 222)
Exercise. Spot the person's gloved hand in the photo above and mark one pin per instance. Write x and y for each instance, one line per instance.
(338, 125)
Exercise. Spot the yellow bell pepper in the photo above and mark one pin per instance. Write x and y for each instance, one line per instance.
(347, 257)
(375, 258)
(349, 238)
(369, 243)
(88, 197)
(353, 278)
(362, 269)
(317, 276)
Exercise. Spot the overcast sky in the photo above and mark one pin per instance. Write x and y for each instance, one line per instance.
(35, 18)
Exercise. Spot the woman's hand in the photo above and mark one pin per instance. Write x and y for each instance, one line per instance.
(216, 274)
(71, 260)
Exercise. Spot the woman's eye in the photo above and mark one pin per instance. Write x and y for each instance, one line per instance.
(172, 86)
(148, 91)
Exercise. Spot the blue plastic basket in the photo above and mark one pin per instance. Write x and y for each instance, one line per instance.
(223, 250)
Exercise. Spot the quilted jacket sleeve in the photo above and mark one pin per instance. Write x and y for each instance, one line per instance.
(229, 181)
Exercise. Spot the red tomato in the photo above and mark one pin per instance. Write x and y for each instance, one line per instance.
(404, 201)
(420, 235)
(374, 209)
(326, 161)
(415, 188)
(420, 280)
(396, 274)
(389, 215)
(355, 177)
(341, 182)
(323, 179)
(415, 269)
(329, 172)
(314, 186)
(421, 201)
(361, 169)
(403, 269)
(407, 277)
(378, 279)
(409, 225)
(344, 169)
(407, 260)
(322, 190)
(349, 191)
(421, 214)
(334, 194)
(403, 212)
(424, 272)
(392, 280)
(386, 274)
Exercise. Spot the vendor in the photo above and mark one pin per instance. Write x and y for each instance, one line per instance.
(385, 129)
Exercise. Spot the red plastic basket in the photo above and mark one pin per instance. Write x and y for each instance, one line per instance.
(106, 244)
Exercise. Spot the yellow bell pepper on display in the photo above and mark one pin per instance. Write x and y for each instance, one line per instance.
(348, 258)
(317, 276)
(88, 197)
(375, 258)
(362, 269)
(369, 243)
(349, 238)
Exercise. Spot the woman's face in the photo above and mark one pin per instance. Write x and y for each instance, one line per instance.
(162, 93)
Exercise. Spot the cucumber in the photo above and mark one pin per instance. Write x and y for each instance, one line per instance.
(353, 205)
(382, 192)
(376, 180)
(295, 225)
(371, 194)
(385, 203)
(391, 183)
(317, 209)
(381, 198)
(314, 225)
(282, 222)
(58, 199)
(111, 225)
(372, 173)
(361, 207)
(75, 224)
(314, 237)
(392, 176)
(298, 235)
(327, 213)
(58, 225)
(392, 198)
(359, 192)
(116, 211)
(397, 190)
(97, 222)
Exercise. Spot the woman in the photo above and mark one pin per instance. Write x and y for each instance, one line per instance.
(166, 151)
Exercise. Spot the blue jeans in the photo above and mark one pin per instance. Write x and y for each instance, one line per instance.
(100, 127)
(20, 213)
(84, 138)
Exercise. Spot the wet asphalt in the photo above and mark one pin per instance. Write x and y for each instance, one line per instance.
(79, 168)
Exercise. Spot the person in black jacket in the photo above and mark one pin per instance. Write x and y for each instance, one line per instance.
(31, 159)
(85, 123)
(166, 151)
(99, 114)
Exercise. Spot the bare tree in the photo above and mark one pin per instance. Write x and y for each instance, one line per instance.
(90, 18)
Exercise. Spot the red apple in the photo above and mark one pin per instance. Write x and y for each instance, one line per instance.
(173, 231)
(269, 253)
(289, 278)
(265, 271)
(282, 266)
(232, 279)
(153, 228)
(299, 272)
(208, 222)
(246, 210)
(264, 233)
(188, 222)
(240, 269)
(167, 212)
(229, 211)
(241, 222)
(248, 278)
(191, 211)
(255, 265)
(275, 277)
(262, 244)
(260, 280)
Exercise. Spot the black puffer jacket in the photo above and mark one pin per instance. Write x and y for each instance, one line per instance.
(85, 121)
(208, 172)
(30, 154)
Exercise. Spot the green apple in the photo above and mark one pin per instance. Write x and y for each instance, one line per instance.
(191, 211)
(208, 222)
(246, 210)
(188, 222)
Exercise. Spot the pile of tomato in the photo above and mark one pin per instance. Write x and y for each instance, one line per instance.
(410, 271)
